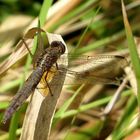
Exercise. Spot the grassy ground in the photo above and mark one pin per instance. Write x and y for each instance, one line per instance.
(89, 28)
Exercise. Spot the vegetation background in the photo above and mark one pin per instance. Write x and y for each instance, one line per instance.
(88, 27)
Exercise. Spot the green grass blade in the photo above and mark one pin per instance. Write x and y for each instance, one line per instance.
(86, 29)
(104, 41)
(133, 51)
(63, 109)
(44, 10)
(42, 17)
(72, 14)
(91, 105)
(123, 126)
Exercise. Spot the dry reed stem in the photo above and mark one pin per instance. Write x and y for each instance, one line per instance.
(40, 112)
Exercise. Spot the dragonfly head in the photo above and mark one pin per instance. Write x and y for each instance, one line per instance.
(59, 45)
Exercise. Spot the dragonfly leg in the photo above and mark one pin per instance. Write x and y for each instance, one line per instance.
(48, 84)
(27, 47)
(49, 88)
(57, 66)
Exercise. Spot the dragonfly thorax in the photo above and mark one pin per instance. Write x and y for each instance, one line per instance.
(50, 55)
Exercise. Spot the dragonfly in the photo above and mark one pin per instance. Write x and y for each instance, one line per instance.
(43, 64)
(45, 67)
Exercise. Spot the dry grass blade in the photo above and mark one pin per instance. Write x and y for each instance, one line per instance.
(133, 50)
(41, 110)
(64, 6)
(20, 50)
(132, 79)
(12, 31)
(19, 53)
(116, 97)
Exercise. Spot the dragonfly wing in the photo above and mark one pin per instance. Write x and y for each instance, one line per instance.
(45, 81)
(95, 61)
(74, 78)
(97, 69)
(42, 86)
(108, 66)
(89, 78)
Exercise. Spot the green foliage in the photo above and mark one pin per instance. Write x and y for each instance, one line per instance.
(95, 27)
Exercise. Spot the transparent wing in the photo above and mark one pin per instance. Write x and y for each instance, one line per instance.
(96, 60)
(75, 78)
(45, 81)
(101, 69)
(101, 65)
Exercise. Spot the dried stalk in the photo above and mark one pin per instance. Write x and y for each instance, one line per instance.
(40, 112)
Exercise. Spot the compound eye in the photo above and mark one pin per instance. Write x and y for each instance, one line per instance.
(58, 44)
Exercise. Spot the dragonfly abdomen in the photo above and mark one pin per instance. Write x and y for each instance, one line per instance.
(29, 86)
